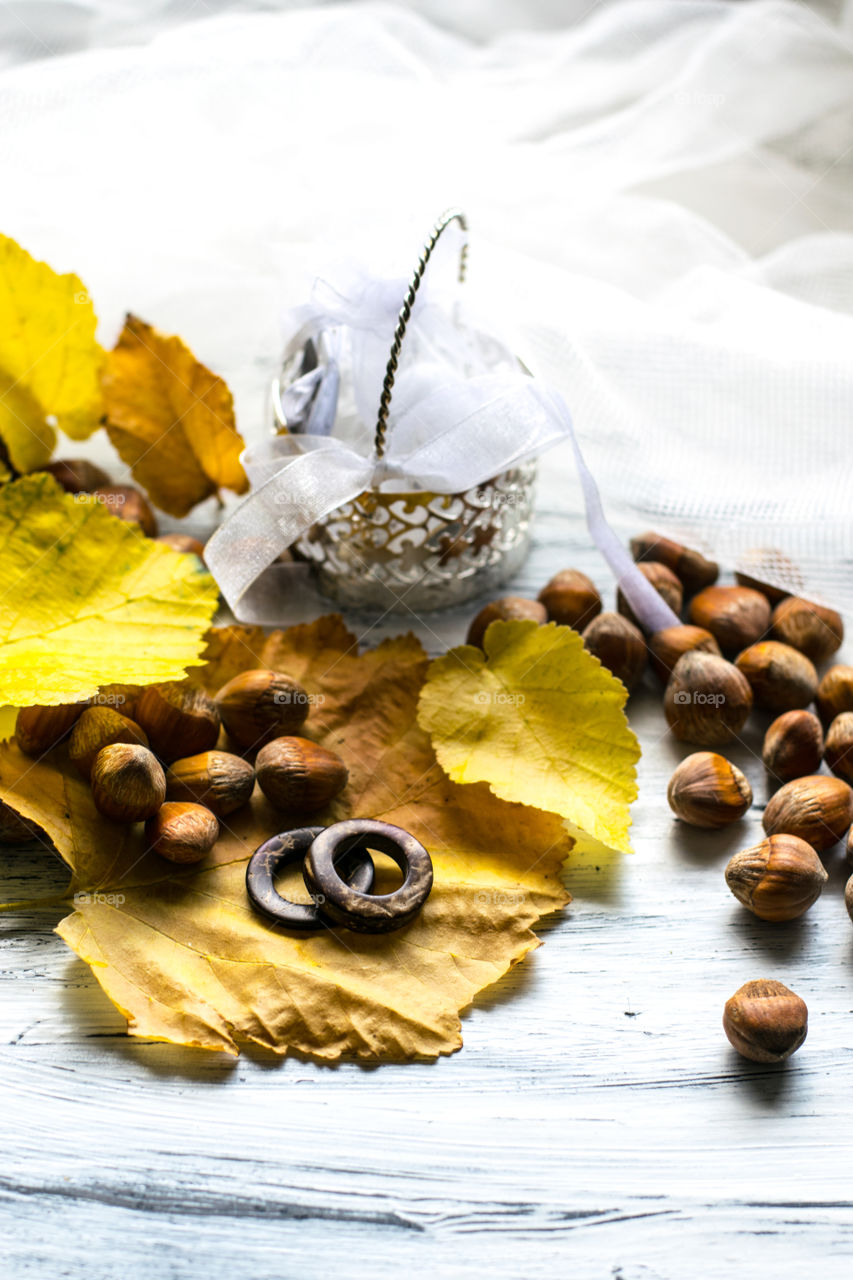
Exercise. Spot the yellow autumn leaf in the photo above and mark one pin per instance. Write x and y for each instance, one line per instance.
(87, 600)
(540, 720)
(49, 359)
(171, 419)
(179, 950)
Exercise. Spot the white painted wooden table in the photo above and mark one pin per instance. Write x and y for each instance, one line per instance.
(596, 1123)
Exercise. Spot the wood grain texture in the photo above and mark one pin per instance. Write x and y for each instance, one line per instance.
(596, 1123)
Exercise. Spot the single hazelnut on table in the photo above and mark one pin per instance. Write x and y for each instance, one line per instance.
(778, 879)
(128, 504)
(765, 1021)
(180, 719)
(670, 644)
(571, 599)
(812, 628)
(706, 790)
(665, 583)
(838, 751)
(736, 616)
(781, 678)
(99, 727)
(818, 809)
(260, 705)
(299, 775)
(707, 700)
(793, 745)
(77, 475)
(691, 567)
(37, 729)
(128, 783)
(618, 645)
(182, 832)
(503, 610)
(220, 781)
(835, 692)
(182, 542)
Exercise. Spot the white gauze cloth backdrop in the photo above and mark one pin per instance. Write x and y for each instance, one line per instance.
(662, 193)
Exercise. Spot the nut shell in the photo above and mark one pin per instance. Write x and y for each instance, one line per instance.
(666, 584)
(502, 610)
(128, 504)
(835, 692)
(77, 475)
(182, 832)
(706, 790)
(778, 879)
(618, 645)
(816, 631)
(736, 616)
(765, 1021)
(100, 727)
(817, 809)
(182, 542)
(220, 781)
(848, 897)
(838, 751)
(793, 746)
(571, 599)
(128, 783)
(297, 775)
(260, 705)
(691, 567)
(667, 646)
(180, 719)
(707, 700)
(781, 678)
(37, 729)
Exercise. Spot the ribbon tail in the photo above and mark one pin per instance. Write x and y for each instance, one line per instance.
(275, 515)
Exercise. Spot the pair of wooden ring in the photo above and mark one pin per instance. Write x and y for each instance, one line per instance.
(338, 872)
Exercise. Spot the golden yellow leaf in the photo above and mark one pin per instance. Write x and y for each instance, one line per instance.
(183, 956)
(49, 359)
(86, 600)
(540, 720)
(171, 419)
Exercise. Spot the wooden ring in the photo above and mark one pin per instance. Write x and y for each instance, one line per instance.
(347, 904)
(282, 851)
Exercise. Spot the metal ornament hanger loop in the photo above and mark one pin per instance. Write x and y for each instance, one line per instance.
(287, 849)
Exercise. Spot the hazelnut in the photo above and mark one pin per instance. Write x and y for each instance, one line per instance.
(128, 504)
(618, 645)
(297, 774)
(838, 751)
(180, 719)
(77, 475)
(121, 697)
(773, 594)
(778, 879)
(182, 832)
(572, 600)
(765, 1021)
(665, 583)
(707, 790)
(258, 706)
(817, 808)
(667, 646)
(781, 678)
(793, 745)
(759, 563)
(707, 700)
(37, 729)
(508, 607)
(182, 542)
(99, 727)
(813, 629)
(220, 781)
(693, 570)
(16, 829)
(835, 693)
(128, 783)
(736, 616)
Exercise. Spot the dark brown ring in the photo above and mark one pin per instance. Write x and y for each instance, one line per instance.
(282, 851)
(346, 904)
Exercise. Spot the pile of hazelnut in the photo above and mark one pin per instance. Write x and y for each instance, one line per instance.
(157, 760)
(745, 646)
